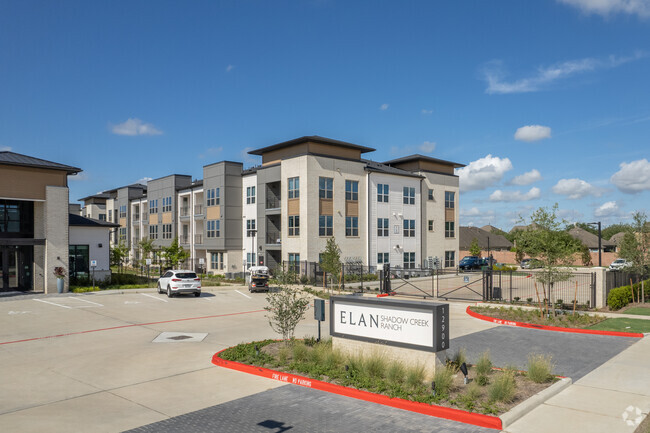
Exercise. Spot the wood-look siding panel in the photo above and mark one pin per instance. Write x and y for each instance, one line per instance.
(450, 215)
(122, 222)
(28, 183)
(153, 219)
(213, 213)
(167, 218)
(293, 206)
(352, 208)
(326, 207)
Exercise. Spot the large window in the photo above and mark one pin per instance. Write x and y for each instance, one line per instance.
(294, 225)
(450, 199)
(430, 225)
(409, 260)
(351, 226)
(382, 258)
(325, 225)
(123, 211)
(153, 232)
(449, 229)
(382, 193)
(294, 263)
(167, 204)
(450, 259)
(213, 197)
(213, 228)
(122, 236)
(250, 260)
(325, 187)
(216, 261)
(250, 195)
(250, 228)
(430, 194)
(294, 187)
(79, 261)
(409, 195)
(16, 219)
(153, 206)
(351, 190)
(166, 231)
(382, 226)
(409, 228)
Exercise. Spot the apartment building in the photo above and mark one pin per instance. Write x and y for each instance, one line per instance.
(403, 212)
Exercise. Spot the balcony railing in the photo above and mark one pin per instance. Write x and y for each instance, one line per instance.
(272, 202)
(184, 239)
(198, 209)
(185, 211)
(273, 238)
(198, 239)
(136, 218)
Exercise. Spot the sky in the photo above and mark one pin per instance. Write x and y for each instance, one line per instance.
(544, 101)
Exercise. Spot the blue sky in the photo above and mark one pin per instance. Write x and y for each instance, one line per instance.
(545, 101)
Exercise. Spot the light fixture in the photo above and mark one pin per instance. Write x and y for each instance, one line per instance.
(433, 388)
(463, 369)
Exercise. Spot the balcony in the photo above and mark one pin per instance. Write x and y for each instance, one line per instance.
(198, 239)
(185, 240)
(185, 211)
(273, 238)
(273, 202)
(136, 219)
(198, 210)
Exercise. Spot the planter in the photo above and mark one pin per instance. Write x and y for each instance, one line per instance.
(60, 283)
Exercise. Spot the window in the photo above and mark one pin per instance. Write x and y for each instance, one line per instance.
(325, 187)
(250, 228)
(250, 195)
(450, 200)
(382, 226)
(167, 231)
(294, 262)
(450, 261)
(351, 226)
(409, 195)
(250, 260)
(430, 194)
(351, 190)
(294, 225)
(153, 232)
(430, 225)
(110, 215)
(153, 206)
(382, 193)
(449, 229)
(102, 217)
(79, 261)
(409, 260)
(216, 261)
(167, 204)
(325, 225)
(214, 228)
(382, 258)
(123, 211)
(122, 236)
(294, 187)
(409, 228)
(213, 197)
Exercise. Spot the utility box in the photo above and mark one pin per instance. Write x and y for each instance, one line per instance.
(319, 309)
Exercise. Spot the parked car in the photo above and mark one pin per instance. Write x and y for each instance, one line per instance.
(530, 264)
(179, 281)
(258, 278)
(468, 263)
(619, 264)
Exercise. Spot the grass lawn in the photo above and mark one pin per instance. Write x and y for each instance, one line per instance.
(623, 325)
(641, 311)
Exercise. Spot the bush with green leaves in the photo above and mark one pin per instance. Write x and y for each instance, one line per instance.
(286, 308)
(502, 388)
(619, 297)
(396, 373)
(540, 368)
(484, 364)
(444, 380)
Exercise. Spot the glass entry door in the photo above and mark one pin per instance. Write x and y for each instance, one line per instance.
(16, 264)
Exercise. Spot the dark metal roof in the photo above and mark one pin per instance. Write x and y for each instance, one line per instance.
(133, 185)
(314, 139)
(418, 157)
(195, 184)
(12, 158)
(103, 195)
(80, 221)
(468, 234)
(383, 168)
(589, 239)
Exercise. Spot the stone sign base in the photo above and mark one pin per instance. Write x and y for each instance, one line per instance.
(408, 357)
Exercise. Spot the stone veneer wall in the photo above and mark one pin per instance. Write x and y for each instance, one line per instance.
(56, 235)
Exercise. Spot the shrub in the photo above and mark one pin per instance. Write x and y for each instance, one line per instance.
(283, 354)
(619, 297)
(375, 366)
(529, 300)
(540, 368)
(415, 377)
(458, 358)
(482, 379)
(484, 365)
(503, 388)
(396, 373)
(444, 379)
(300, 352)
(471, 395)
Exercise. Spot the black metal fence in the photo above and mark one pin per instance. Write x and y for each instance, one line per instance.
(350, 274)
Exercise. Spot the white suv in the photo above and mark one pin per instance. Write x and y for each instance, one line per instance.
(179, 281)
(619, 264)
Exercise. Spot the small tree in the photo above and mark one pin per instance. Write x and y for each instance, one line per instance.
(635, 247)
(553, 247)
(119, 254)
(146, 247)
(585, 255)
(474, 249)
(286, 307)
(175, 254)
(331, 258)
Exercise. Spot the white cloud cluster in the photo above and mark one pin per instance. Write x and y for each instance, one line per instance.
(383, 107)
(425, 111)
(494, 75)
(483, 172)
(607, 209)
(427, 147)
(633, 177)
(230, 68)
(527, 178)
(144, 180)
(532, 133)
(135, 126)
(607, 7)
(212, 151)
(511, 196)
(576, 188)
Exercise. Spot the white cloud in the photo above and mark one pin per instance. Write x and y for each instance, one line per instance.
(607, 209)
(544, 76)
(576, 188)
(474, 211)
(230, 68)
(427, 147)
(5, 149)
(80, 177)
(633, 177)
(607, 7)
(475, 217)
(483, 172)
(532, 133)
(500, 195)
(134, 126)
(527, 178)
(143, 180)
(425, 111)
(383, 107)
(212, 151)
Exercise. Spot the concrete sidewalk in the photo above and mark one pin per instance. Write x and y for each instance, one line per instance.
(602, 401)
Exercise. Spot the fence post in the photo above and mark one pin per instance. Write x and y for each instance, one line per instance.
(381, 281)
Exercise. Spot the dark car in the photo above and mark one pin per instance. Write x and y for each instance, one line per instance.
(468, 263)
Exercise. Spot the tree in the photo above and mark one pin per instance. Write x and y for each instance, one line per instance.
(175, 254)
(635, 247)
(118, 254)
(286, 307)
(610, 231)
(585, 255)
(146, 247)
(474, 249)
(331, 258)
(553, 247)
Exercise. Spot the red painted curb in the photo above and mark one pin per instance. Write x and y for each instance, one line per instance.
(552, 328)
(423, 408)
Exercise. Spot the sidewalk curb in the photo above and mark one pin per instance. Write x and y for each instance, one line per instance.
(452, 414)
(531, 403)
(551, 328)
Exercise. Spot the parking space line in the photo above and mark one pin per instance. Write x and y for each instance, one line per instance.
(52, 303)
(90, 302)
(243, 294)
(154, 297)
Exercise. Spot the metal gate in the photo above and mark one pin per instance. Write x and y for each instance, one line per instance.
(467, 286)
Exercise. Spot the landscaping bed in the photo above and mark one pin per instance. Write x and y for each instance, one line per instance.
(490, 391)
(563, 319)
